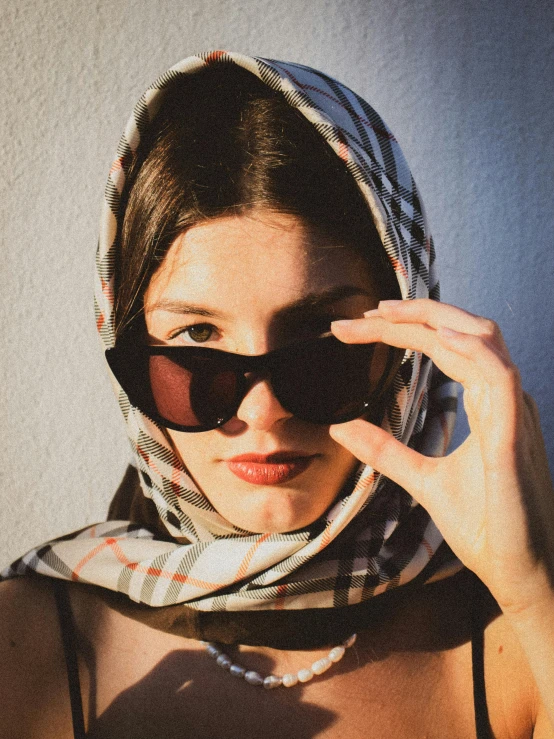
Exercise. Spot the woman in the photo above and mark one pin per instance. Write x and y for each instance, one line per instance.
(267, 299)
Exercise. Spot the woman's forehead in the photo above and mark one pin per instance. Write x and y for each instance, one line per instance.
(269, 254)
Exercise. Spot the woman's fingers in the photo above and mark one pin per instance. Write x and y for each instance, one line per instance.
(478, 360)
(490, 360)
(437, 315)
(376, 447)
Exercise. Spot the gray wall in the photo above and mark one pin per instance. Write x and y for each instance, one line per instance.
(466, 87)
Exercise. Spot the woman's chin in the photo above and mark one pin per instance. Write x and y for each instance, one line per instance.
(271, 509)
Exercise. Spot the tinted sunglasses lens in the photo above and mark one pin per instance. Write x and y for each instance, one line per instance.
(198, 394)
(331, 382)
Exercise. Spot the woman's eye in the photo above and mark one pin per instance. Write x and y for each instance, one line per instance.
(199, 333)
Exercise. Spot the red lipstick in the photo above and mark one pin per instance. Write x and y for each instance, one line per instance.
(269, 469)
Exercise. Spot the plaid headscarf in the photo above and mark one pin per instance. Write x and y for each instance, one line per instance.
(375, 537)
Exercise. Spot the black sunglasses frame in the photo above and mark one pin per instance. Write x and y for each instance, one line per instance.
(129, 360)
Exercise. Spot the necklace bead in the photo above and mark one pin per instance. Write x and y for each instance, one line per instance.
(321, 666)
(253, 678)
(289, 679)
(224, 661)
(336, 654)
(305, 675)
(350, 641)
(272, 681)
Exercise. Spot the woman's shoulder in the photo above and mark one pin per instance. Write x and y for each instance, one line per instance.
(511, 693)
(33, 680)
(492, 652)
(28, 623)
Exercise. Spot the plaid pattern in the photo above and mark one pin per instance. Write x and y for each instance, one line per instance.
(375, 536)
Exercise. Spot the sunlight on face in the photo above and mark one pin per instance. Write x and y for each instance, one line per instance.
(240, 284)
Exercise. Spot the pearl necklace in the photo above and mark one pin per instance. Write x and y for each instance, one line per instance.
(275, 681)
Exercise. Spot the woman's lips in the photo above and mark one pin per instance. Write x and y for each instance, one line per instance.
(269, 469)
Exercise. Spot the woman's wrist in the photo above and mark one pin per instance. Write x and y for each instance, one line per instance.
(534, 599)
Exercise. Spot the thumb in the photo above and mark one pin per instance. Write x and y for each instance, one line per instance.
(376, 447)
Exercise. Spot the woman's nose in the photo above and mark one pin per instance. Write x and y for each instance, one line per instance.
(260, 408)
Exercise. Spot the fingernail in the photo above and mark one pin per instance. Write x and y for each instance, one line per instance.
(344, 322)
(390, 303)
(335, 431)
(372, 312)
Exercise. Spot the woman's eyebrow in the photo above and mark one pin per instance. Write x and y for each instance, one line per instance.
(316, 301)
(307, 303)
(173, 305)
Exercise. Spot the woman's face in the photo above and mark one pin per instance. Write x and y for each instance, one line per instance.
(250, 284)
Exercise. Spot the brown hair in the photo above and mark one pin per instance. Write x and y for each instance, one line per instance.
(224, 142)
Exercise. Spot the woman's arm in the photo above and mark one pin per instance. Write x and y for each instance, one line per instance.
(534, 629)
(492, 498)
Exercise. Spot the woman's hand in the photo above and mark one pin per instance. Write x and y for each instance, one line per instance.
(492, 498)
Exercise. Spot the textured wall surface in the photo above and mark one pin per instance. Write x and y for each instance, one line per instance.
(465, 86)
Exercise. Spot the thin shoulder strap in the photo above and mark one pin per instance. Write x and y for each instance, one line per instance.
(67, 629)
(482, 723)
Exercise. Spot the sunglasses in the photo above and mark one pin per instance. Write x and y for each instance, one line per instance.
(188, 388)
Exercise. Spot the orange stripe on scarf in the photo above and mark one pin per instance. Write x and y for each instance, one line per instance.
(242, 570)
